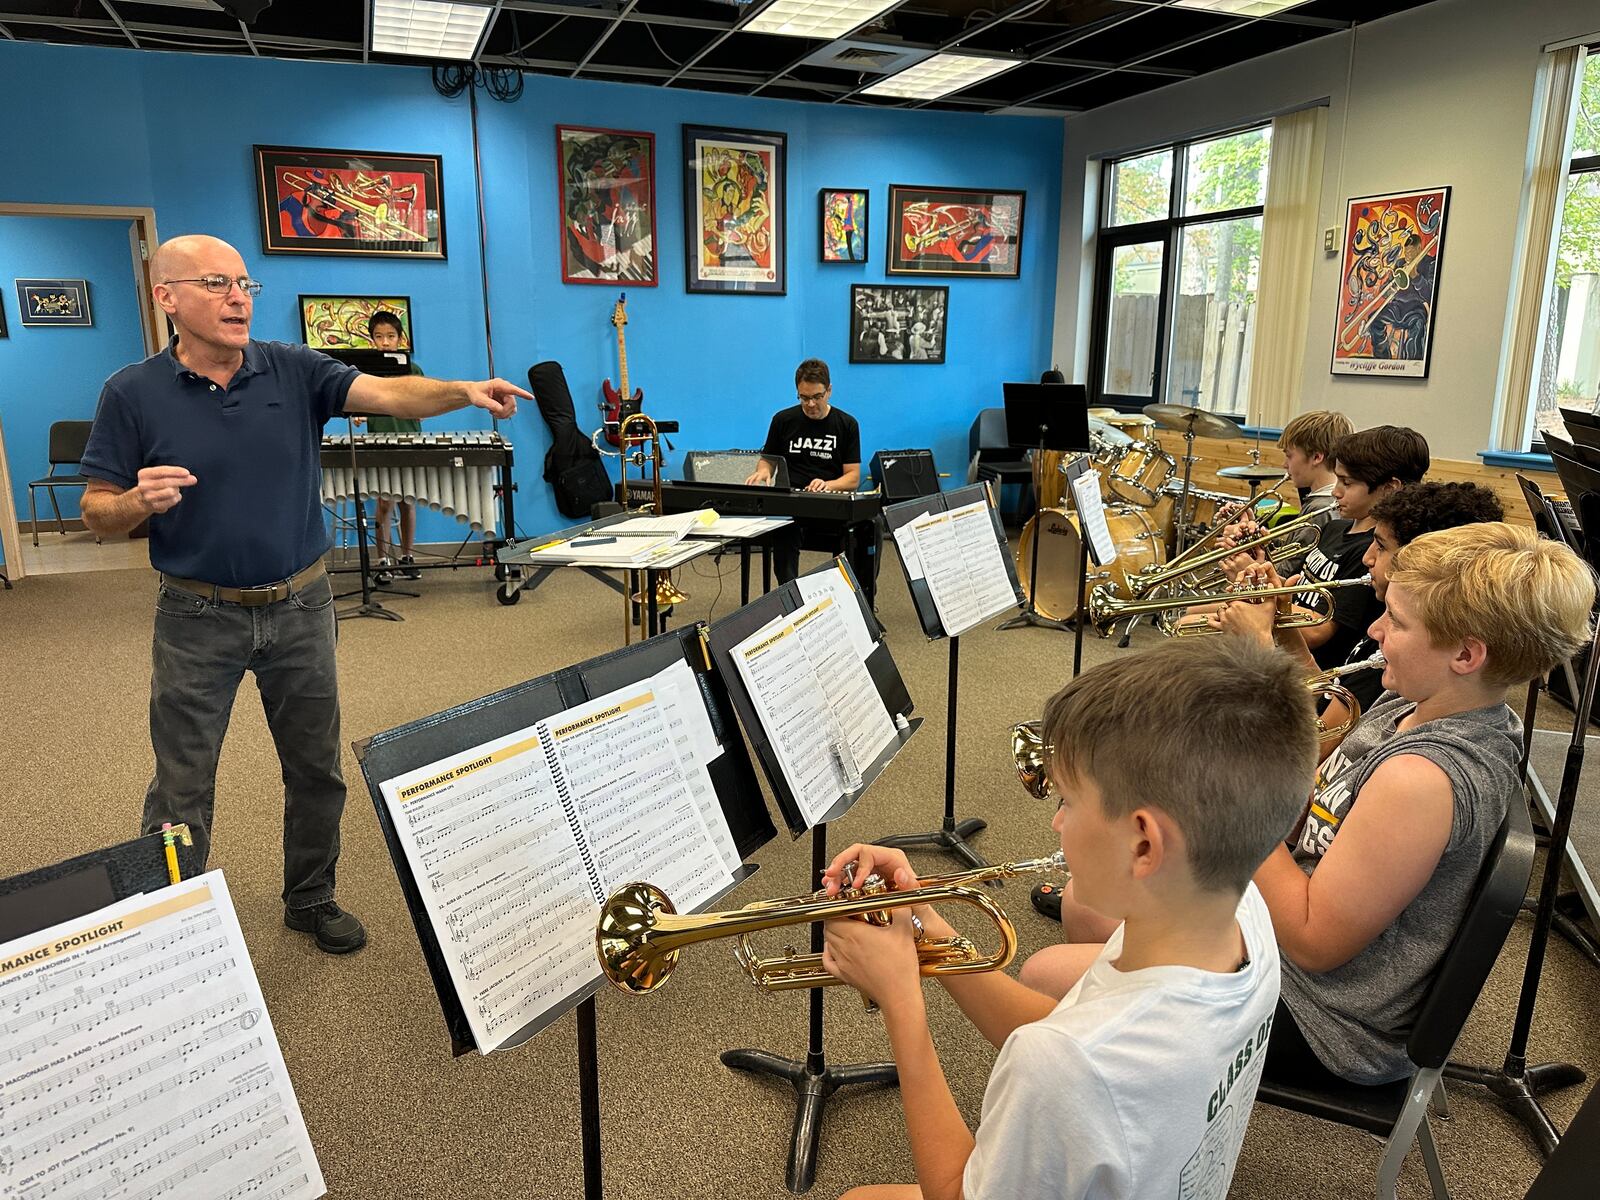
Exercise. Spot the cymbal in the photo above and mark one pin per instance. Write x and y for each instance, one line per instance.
(1108, 434)
(1124, 420)
(1253, 472)
(1182, 418)
(1102, 413)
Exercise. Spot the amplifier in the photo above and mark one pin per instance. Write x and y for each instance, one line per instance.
(905, 474)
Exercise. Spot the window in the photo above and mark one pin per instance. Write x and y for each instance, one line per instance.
(1569, 366)
(1176, 273)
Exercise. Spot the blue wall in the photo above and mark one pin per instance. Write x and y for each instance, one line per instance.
(718, 364)
(55, 374)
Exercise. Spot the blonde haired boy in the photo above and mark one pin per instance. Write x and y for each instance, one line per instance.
(1307, 444)
(1367, 893)
(1139, 1081)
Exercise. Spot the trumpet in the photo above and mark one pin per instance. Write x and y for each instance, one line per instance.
(1030, 754)
(640, 934)
(1325, 684)
(1106, 608)
(1186, 566)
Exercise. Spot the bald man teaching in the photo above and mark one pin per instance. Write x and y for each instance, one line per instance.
(216, 441)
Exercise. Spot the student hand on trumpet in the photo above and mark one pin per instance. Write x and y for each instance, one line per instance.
(879, 961)
(1254, 618)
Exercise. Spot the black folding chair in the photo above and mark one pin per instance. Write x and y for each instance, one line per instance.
(1398, 1111)
(992, 456)
(67, 440)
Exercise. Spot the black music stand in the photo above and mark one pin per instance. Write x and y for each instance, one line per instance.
(66, 890)
(811, 1077)
(1046, 416)
(1516, 1084)
(951, 835)
(431, 739)
(385, 364)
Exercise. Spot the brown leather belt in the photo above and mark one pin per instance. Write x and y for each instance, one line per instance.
(251, 597)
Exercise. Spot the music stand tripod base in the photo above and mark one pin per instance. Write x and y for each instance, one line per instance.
(1029, 617)
(812, 1079)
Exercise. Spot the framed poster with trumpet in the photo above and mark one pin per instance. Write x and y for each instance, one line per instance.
(350, 202)
(955, 231)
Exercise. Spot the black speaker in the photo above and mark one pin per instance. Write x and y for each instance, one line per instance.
(905, 474)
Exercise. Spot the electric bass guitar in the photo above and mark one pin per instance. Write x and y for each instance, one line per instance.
(619, 403)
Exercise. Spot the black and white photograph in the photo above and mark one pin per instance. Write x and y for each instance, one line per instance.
(898, 324)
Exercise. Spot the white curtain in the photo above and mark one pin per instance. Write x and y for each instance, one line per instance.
(1543, 186)
(1288, 254)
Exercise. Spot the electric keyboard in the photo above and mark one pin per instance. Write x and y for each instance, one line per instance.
(824, 511)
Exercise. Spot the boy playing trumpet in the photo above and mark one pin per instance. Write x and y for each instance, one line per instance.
(1157, 1050)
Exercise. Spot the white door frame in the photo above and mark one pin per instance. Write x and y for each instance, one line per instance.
(142, 243)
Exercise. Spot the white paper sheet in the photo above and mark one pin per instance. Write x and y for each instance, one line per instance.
(697, 747)
(832, 583)
(964, 567)
(1092, 514)
(907, 542)
(516, 843)
(816, 701)
(137, 1059)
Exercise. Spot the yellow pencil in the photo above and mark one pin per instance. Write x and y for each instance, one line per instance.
(170, 840)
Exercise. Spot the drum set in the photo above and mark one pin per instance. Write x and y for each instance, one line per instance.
(1150, 512)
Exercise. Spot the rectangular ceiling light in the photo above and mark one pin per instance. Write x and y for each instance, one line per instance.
(428, 28)
(1240, 8)
(822, 19)
(939, 76)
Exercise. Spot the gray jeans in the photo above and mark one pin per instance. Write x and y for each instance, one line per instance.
(202, 649)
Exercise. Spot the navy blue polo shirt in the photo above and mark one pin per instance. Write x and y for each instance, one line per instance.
(254, 515)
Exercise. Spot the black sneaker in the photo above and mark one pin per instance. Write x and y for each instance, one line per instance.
(383, 575)
(408, 568)
(337, 932)
(1046, 899)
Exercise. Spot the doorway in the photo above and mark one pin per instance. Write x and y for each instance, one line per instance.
(55, 373)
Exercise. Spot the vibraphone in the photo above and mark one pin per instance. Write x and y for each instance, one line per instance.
(457, 473)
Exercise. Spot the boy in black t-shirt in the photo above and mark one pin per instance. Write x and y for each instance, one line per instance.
(1368, 466)
(822, 446)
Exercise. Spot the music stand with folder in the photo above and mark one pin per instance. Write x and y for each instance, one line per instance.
(1046, 416)
(951, 835)
(812, 1078)
(392, 754)
(1517, 1084)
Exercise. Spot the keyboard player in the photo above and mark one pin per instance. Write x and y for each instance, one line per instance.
(822, 446)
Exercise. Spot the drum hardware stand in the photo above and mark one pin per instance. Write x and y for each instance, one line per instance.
(1517, 1085)
(951, 836)
(1031, 615)
(369, 607)
(812, 1079)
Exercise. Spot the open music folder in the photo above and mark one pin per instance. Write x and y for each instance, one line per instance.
(137, 1058)
(511, 819)
(957, 562)
(816, 690)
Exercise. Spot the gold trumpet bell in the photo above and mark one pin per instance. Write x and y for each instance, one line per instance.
(667, 592)
(1029, 752)
(622, 939)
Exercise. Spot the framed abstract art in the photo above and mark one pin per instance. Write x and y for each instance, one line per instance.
(735, 210)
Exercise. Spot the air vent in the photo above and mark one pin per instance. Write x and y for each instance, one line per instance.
(860, 56)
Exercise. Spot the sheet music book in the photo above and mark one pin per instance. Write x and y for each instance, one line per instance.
(137, 1059)
(959, 557)
(1085, 484)
(516, 843)
(956, 559)
(816, 701)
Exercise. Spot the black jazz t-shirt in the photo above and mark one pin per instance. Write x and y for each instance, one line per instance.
(1338, 555)
(814, 449)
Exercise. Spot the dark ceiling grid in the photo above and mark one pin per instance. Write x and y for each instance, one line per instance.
(1070, 55)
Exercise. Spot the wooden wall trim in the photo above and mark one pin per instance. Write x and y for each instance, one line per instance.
(1214, 453)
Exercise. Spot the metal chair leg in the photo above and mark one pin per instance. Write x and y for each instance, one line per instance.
(1413, 1117)
(33, 513)
(61, 526)
(1430, 1160)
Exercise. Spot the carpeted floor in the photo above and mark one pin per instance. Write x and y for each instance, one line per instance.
(391, 1114)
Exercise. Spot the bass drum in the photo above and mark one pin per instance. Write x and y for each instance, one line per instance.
(1138, 546)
